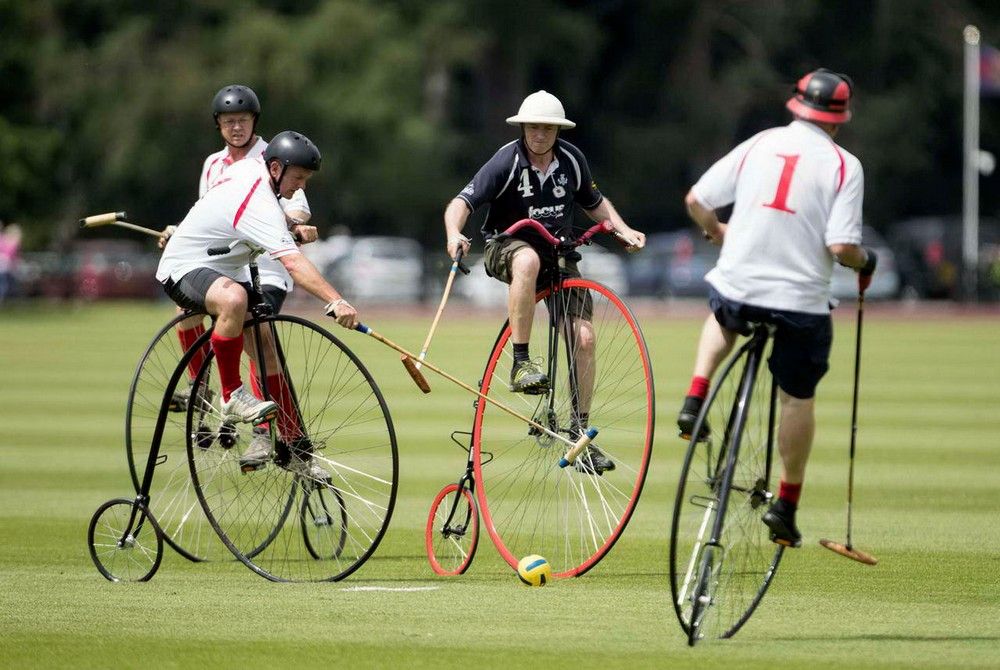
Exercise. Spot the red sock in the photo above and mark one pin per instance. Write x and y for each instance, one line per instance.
(699, 387)
(288, 418)
(257, 391)
(188, 338)
(790, 492)
(227, 352)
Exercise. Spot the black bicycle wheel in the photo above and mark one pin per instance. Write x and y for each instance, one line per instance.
(172, 498)
(451, 533)
(323, 520)
(342, 416)
(125, 543)
(719, 587)
(570, 516)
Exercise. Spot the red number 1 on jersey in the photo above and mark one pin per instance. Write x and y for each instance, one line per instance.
(784, 183)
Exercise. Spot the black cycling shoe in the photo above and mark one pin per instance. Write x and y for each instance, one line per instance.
(780, 518)
(528, 377)
(689, 415)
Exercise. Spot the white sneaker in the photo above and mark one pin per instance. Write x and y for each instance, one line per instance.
(246, 408)
(258, 452)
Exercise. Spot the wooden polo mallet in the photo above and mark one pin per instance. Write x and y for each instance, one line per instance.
(413, 366)
(116, 219)
(575, 448)
(848, 550)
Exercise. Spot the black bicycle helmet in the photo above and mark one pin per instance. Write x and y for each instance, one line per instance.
(236, 98)
(292, 148)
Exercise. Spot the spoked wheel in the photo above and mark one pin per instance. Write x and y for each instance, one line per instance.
(570, 516)
(452, 531)
(715, 589)
(338, 414)
(171, 497)
(323, 520)
(125, 543)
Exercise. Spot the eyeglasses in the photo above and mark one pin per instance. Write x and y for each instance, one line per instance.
(236, 121)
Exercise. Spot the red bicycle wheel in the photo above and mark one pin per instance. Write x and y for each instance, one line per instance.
(571, 516)
(452, 531)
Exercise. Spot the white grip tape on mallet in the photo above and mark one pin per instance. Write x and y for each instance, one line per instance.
(580, 445)
(102, 219)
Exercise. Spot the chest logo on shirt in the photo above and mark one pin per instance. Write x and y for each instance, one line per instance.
(559, 189)
(525, 186)
(550, 212)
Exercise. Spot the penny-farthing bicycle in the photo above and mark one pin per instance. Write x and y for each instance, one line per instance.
(597, 366)
(284, 520)
(722, 560)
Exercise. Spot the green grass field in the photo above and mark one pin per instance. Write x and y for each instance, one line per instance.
(926, 500)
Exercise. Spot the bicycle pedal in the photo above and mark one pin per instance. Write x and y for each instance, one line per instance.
(251, 467)
(786, 543)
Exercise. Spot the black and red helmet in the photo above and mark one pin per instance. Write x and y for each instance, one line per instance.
(824, 96)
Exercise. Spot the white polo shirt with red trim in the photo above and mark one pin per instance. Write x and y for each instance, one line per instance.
(795, 192)
(271, 272)
(240, 205)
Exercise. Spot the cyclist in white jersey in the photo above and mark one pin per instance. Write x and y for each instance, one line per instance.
(244, 206)
(796, 199)
(236, 111)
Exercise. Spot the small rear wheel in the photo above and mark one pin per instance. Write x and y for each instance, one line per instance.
(324, 519)
(125, 543)
(452, 531)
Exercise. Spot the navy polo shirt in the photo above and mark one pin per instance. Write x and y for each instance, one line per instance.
(514, 190)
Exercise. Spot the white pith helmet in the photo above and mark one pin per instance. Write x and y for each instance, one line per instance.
(541, 107)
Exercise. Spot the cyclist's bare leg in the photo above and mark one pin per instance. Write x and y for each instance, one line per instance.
(584, 354)
(524, 268)
(795, 436)
(714, 345)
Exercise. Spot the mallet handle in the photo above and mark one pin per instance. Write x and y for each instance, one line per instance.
(444, 300)
(580, 445)
(362, 328)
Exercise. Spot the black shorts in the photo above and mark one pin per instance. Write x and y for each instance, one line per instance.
(190, 291)
(801, 353)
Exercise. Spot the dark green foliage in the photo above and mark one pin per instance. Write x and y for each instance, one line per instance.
(106, 104)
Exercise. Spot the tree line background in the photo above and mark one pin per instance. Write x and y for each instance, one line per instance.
(106, 104)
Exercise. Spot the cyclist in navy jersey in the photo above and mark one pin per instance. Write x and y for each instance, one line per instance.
(538, 176)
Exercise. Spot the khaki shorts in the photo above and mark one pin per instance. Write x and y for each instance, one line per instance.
(497, 259)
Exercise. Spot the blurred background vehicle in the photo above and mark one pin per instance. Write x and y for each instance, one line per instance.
(91, 270)
(114, 269)
(929, 254)
(672, 265)
(885, 283)
(379, 269)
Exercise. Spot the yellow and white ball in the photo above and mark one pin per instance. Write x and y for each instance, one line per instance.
(534, 570)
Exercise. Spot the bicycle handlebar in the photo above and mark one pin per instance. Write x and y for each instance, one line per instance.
(601, 227)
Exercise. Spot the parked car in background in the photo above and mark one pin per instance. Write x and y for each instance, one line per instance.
(672, 265)
(379, 269)
(114, 269)
(885, 283)
(929, 254)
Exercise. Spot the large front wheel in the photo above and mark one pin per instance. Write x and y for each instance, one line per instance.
(600, 370)
(716, 586)
(286, 516)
